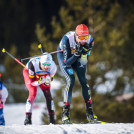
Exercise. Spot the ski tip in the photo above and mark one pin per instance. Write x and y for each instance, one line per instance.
(3, 50)
(39, 46)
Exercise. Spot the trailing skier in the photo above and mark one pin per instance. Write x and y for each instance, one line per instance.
(3, 97)
(39, 72)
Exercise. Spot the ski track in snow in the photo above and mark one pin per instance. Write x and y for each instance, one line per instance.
(15, 115)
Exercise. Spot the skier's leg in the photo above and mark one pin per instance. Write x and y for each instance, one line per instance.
(81, 70)
(2, 120)
(32, 94)
(70, 79)
(49, 102)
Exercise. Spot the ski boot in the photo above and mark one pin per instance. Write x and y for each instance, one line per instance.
(92, 119)
(52, 119)
(28, 119)
(2, 120)
(66, 114)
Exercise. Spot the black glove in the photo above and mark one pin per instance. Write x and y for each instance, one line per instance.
(78, 50)
(86, 49)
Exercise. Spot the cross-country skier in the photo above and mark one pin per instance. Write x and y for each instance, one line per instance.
(39, 72)
(3, 97)
(76, 46)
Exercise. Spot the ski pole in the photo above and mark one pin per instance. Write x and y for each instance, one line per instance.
(40, 46)
(4, 51)
(42, 54)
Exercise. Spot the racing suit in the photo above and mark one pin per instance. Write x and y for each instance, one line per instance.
(69, 62)
(32, 73)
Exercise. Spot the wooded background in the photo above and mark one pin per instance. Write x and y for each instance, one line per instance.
(26, 23)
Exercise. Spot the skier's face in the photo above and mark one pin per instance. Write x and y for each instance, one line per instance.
(45, 66)
(82, 39)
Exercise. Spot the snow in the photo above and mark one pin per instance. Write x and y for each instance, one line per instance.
(15, 115)
(69, 129)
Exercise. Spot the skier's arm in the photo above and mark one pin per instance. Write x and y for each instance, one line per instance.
(68, 59)
(4, 93)
(31, 74)
(53, 71)
(87, 48)
(31, 71)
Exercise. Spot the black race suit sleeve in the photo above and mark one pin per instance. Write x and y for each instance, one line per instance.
(68, 57)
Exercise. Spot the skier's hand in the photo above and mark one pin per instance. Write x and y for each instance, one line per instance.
(86, 49)
(42, 80)
(78, 50)
(47, 80)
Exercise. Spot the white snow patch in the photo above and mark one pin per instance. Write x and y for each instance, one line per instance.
(15, 115)
(69, 129)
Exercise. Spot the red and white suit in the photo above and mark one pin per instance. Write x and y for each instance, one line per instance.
(30, 73)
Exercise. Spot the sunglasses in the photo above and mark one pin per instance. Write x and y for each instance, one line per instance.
(83, 37)
(46, 64)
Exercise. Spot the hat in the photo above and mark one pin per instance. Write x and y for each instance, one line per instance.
(46, 59)
(81, 29)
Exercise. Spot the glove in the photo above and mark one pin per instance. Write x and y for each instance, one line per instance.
(86, 49)
(78, 50)
(40, 81)
(47, 80)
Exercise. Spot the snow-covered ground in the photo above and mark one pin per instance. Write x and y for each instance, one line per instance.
(69, 129)
(15, 115)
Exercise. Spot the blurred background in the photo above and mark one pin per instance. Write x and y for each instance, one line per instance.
(26, 23)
